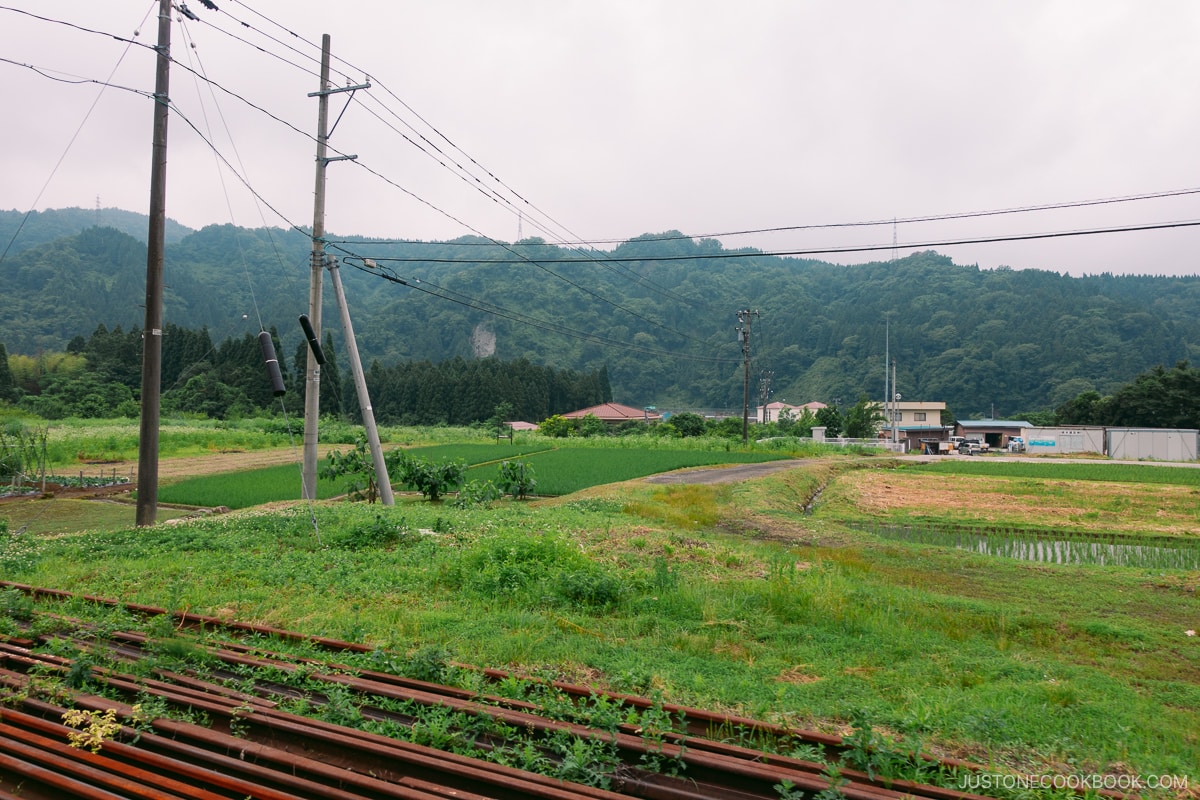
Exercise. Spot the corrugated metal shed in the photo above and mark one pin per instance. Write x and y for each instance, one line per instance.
(1158, 444)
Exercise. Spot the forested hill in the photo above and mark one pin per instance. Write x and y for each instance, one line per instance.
(42, 227)
(659, 312)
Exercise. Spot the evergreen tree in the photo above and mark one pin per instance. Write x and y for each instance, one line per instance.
(332, 390)
(8, 387)
(831, 418)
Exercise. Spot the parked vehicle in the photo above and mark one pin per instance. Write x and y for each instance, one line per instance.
(1016, 444)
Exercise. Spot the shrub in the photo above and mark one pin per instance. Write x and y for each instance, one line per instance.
(509, 564)
(476, 493)
(591, 425)
(13, 602)
(589, 587)
(687, 424)
(557, 426)
(380, 532)
(516, 479)
(431, 480)
(357, 468)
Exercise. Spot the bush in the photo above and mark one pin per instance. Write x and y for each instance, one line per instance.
(591, 425)
(687, 424)
(508, 565)
(474, 493)
(380, 532)
(728, 428)
(557, 427)
(357, 468)
(516, 479)
(431, 480)
(589, 587)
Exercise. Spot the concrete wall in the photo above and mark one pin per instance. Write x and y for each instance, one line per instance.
(1063, 440)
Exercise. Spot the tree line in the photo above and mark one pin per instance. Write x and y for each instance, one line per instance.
(658, 312)
(100, 377)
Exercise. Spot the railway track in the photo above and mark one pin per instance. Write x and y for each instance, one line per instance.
(193, 715)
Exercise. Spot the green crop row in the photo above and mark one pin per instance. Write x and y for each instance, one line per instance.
(558, 472)
(243, 489)
(568, 470)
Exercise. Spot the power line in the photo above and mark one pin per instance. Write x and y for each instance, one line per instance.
(742, 253)
(909, 220)
(103, 85)
(618, 264)
(516, 316)
(199, 76)
(360, 163)
(453, 165)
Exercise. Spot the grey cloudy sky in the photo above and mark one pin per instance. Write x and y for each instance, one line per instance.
(614, 119)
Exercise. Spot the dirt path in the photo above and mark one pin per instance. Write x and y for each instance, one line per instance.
(178, 467)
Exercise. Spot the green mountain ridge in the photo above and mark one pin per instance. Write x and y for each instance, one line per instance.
(658, 311)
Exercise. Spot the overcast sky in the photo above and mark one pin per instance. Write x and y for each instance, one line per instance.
(604, 121)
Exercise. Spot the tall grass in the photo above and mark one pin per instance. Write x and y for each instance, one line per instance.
(787, 634)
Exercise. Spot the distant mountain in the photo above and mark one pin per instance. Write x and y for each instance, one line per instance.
(43, 227)
(659, 312)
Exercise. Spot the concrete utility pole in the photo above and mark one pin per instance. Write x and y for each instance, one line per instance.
(887, 390)
(360, 385)
(147, 479)
(743, 330)
(312, 375)
(895, 407)
(764, 392)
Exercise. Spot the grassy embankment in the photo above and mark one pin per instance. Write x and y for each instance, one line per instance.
(730, 596)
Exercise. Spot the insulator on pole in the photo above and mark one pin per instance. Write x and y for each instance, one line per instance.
(272, 363)
(313, 342)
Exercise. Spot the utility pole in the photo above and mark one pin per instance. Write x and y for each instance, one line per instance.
(312, 375)
(360, 384)
(743, 329)
(764, 392)
(895, 407)
(887, 390)
(147, 483)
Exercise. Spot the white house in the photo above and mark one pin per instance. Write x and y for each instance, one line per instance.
(771, 411)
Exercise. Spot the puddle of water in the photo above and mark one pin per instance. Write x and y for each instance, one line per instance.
(1125, 553)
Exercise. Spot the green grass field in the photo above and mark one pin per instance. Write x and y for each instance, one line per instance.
(731, 597)
(1118, 473)
(559, 471)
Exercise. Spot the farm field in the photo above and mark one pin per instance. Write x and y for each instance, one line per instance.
(565, 470)
(733, 597)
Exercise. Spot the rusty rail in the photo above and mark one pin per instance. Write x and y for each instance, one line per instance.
(249, 746)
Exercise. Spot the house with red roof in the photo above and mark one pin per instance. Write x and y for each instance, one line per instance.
(615, 413)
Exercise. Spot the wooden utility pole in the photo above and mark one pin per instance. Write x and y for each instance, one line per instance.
(312, 379)
(147, 482)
